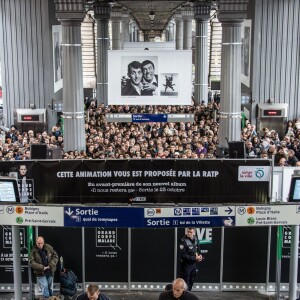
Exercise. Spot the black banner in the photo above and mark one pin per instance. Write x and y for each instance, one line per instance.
(152, 255)
(67, 243)
(6, 255)
(286, 254)
(245, 254)
(142, 181)
(106, 254)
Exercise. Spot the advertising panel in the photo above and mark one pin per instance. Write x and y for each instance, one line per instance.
(143, 181)
(286, 254)
(6, 255)
(57, 57)
(245, 254)
(149, 77)
(107, 252)
(152, 257)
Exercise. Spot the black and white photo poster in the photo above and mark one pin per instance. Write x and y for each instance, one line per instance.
(149, 78)
(57, 57)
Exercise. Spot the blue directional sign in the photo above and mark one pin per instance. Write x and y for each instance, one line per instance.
(76, 216)
(140, 118)
(190, 221)
(189, 216)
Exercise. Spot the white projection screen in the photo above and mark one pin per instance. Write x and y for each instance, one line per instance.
(172, 71)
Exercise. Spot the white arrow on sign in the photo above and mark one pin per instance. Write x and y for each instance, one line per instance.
(228, 222)
(69, 212)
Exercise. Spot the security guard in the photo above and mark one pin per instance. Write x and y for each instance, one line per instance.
(189, 253)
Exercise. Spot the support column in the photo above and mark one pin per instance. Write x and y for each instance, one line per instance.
(141, 36)
(179, 30)
(71, 17)
(187, 15)
(231, 16)
(102, 14)
(131, 30)
(202, 15)
(115, 17)
(136, 33)
(167, 33)
(125, 35)
(163, 36)
(171, 29)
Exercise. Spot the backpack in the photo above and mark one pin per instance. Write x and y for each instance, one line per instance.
(68, 283)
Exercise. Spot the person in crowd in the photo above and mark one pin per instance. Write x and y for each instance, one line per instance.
(200, 149)
(92, 293)
(281, 153)
(250, 150)
(133, 86)
(150, 79)
(161, 140)
(178, 290)
(292, 159)
(189, 255)
(282, 162)
(43, 260)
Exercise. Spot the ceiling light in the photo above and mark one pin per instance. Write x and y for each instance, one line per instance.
(152, 15)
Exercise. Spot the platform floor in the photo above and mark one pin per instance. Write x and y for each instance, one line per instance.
(134, 295)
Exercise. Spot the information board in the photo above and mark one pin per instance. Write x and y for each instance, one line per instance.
(31, 215)
(209, 216)
(267, 215)
(141, 118)
(103, 216)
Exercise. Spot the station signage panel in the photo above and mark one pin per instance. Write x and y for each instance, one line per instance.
(78, 216)
(140, 118)
(31, 215)
(151, 217)
(267, 215)
(210, 216)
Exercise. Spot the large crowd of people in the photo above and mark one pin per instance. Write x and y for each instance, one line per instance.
(197, 140)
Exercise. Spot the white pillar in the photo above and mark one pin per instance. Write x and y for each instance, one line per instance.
(179, 30)
(231, 16)
(115, 17)
(202, 15)
(71, 17)
(187, 15)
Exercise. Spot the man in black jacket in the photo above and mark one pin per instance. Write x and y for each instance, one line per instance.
(92, 293)
(189, 254)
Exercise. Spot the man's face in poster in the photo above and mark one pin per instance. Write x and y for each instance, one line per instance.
(135, 75)
(148, 72)
(23, 170)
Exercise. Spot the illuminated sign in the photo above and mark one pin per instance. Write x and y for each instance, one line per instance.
(30, 118)
(272, 113)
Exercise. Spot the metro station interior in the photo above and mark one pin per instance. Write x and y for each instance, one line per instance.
(125, 217)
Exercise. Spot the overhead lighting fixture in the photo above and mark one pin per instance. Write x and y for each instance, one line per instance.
(152, 15)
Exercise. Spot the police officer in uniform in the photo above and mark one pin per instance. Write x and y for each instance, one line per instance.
(189, 254)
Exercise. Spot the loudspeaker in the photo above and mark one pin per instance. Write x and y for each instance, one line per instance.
(38, 151)
(221, 152)
(237, 150)
(54, 153)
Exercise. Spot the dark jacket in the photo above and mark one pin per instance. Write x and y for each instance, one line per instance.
(188, 249)
(129, 90)
(85, 297)
(168, 295)
(36, 260)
